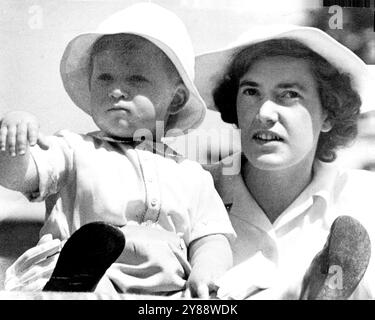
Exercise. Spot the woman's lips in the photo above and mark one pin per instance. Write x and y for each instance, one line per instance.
(267, 137)
(118, 109)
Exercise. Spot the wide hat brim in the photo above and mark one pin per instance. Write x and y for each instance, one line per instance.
(74, 66)
(212, 66)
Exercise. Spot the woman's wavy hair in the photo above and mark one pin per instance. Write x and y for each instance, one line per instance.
(338, 97)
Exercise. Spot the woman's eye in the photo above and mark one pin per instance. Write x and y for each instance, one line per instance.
(105, 77)
(290, 95)
(250, 92)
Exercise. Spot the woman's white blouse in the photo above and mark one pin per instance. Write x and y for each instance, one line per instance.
(300, 232)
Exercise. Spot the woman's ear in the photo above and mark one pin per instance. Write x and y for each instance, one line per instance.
(327, 126)
(181, 96)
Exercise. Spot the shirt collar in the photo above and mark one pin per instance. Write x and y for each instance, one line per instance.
(319, 189)
(245, 207)
(159, 148)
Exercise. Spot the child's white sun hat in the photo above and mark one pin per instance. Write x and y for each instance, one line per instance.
(154, 23)
(211, 66)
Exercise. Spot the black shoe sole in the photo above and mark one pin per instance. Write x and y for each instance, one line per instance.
(85, 257)
(336, 271)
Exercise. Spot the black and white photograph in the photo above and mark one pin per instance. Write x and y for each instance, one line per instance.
(200, 151)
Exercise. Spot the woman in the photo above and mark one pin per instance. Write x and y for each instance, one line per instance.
(295, 95)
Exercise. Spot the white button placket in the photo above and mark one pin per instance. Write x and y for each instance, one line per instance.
(151, 182)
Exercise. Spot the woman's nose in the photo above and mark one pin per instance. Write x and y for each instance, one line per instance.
(119, 94)
(267, 113)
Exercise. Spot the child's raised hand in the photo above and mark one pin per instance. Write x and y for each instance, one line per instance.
(19, 128)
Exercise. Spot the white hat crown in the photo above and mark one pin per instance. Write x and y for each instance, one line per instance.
(156, 24)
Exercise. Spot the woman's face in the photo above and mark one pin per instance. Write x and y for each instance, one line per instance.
(279, 113)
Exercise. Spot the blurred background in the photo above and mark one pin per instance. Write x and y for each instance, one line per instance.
(34, 33)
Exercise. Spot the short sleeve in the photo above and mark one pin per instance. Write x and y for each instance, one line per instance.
(209, 215)
(53, 166)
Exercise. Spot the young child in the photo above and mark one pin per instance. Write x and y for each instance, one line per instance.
(129, 76)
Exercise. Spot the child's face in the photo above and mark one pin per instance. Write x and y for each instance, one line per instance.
(130, 90)
(279, 113)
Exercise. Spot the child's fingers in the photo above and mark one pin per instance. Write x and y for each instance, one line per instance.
(197, 290)
(202, 291)
(187, 293)
(11, 140)
(21, 138)
(43, 142)
(32, 134)
(3, 137)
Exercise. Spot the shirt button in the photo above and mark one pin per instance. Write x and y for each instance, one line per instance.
(154, 202)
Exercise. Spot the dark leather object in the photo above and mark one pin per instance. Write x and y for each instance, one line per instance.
(85, 257)
(336, 271)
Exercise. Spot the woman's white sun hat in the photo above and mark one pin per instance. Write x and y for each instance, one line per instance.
(211, 66)
(154, 23)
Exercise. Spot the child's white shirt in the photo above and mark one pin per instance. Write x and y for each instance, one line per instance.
(91, 179)
(85, 178)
